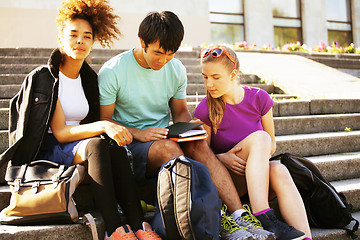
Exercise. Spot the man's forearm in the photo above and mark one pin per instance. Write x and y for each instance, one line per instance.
(183, 117)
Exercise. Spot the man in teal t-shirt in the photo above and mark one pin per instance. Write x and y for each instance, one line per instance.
(141, 87)
(141, 95)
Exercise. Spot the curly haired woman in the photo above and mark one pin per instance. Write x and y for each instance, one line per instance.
(62, 121)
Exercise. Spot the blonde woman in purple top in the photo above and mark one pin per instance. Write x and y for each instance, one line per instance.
(239, 122)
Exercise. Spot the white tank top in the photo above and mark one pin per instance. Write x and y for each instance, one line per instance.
(72, 98)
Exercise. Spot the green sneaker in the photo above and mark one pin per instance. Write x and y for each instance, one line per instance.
(230, 230)
(253, 225)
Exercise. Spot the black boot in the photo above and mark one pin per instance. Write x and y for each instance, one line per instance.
(281, 230)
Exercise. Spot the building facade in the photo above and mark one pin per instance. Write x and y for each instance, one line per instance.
(31, 23)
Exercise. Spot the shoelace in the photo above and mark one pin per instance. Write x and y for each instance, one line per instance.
(251, 218)
(228, 222)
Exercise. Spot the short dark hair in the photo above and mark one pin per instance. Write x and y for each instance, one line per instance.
(165, 27)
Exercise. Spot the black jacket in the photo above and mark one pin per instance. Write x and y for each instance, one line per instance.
(32, 108)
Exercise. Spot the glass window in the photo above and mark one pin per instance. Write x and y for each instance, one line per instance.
(343, 38)
(226, 33)
(226, 6)
(226, 18)
(227, 21)
(286, 8)
(286, 21)
(338, 17)
(338, 10)
(284, 35)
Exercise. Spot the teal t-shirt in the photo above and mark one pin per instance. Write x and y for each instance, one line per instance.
(141, 95)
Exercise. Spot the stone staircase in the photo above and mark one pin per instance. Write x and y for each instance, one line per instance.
(327, 131)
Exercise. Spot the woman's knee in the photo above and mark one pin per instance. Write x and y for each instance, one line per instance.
(260, 140)
(278, 172)
(95, 145)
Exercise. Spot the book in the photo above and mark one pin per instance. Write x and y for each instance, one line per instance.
(192, 138)
(185, 129)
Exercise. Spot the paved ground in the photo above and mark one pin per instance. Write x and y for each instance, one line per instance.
(300, 76)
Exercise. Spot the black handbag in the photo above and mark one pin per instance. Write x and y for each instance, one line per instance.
(41, 192)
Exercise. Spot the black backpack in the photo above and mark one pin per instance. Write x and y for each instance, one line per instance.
(325, 207)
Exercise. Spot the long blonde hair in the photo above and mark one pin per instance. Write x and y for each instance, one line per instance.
(217, 105)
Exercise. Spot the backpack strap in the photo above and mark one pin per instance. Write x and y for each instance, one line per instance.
(351, 232)
(165, 197)
(174, 197)
(182, 198)
(89, 220)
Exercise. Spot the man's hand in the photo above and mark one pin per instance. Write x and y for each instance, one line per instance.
(232, 161)
(197, 121)
(151, 134)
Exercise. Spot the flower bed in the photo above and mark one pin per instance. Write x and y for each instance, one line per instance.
(296, 47)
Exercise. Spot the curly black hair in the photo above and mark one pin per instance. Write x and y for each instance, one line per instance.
(99, 15)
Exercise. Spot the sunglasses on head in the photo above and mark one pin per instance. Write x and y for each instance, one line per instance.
(216, 52)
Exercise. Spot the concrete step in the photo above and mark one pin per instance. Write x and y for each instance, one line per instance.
(338, 62)
(4, 118)
(9, 78)
(316, 144)
(27, 68)
(316, 123)
(4, 103)
(76, 231)
(333, 234)
(338, 166)
(7, 91)
(45, 52)
(28, 52)
(4, 140)
(297, 107)
(23, 60)
(18, 78)
(22, 68)
(351, 190)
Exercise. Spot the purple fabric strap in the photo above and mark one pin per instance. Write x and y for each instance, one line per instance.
(261, 212)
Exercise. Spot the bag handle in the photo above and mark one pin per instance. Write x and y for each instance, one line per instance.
(43, 161)
(24, 167)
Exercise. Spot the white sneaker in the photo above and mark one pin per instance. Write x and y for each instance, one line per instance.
(253, 225)
(230, 230)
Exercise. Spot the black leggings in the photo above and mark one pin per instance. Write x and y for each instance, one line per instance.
(112, 183)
